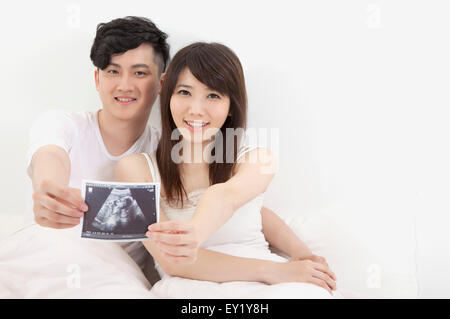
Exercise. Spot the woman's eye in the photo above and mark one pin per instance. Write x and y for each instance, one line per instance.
(113, 72)
(183, 92)
(213, 96)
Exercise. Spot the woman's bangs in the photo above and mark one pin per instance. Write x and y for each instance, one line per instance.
(209, 73)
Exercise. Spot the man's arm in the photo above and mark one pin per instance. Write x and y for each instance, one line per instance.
(55, 204)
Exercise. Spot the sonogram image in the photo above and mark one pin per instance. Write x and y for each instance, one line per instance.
(118, 211)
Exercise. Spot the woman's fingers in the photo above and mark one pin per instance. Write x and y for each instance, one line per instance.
(319, 282)
(178, 251)
(170, 226)
(326, 278)
(324, 269)
(174, 239)
(179, 259)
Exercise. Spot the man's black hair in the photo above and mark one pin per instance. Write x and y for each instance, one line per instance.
(123, 34)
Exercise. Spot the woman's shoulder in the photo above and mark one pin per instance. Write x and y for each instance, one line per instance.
(255, 155)
(259, 157)
(133, 168)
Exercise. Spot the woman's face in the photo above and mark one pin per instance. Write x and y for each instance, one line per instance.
(198, 111)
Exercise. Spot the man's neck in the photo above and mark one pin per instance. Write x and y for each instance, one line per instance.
(118, 136)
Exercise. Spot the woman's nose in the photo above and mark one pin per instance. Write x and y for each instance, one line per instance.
(196, 107)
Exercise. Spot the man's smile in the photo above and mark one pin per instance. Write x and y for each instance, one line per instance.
(124, 100)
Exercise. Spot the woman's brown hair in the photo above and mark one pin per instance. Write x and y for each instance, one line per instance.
(218, 67)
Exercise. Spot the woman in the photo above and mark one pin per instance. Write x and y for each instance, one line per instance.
(210, 183)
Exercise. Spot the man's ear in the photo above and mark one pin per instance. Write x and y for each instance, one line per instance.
(161, 81)
(96, 79)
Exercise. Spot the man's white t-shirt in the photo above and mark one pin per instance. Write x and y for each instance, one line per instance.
(79, 135)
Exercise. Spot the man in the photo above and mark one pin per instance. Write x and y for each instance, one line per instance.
(131, 55)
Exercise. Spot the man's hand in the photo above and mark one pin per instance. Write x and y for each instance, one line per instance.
(57, 206)
(177, 240)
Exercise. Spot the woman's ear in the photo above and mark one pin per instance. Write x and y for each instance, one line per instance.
(161, 81)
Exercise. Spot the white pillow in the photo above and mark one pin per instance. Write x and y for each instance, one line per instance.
(371, 257)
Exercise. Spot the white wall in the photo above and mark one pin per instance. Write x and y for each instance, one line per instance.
(359, 91)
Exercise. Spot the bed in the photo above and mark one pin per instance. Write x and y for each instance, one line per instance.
(37, 262)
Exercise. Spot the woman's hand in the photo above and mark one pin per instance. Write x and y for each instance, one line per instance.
(176, 240)
(306, 271)
(312, 257)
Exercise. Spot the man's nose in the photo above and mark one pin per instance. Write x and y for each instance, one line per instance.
(125, 84)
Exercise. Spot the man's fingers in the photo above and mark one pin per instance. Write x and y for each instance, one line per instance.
(44, 222)
(58, 207)
(58, 218)
(68, 194)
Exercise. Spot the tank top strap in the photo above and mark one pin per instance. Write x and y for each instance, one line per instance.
(244, 150)
(153, 167)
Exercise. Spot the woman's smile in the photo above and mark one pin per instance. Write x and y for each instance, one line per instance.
(196, 125)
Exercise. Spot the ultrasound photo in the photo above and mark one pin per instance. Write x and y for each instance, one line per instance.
(119, 211)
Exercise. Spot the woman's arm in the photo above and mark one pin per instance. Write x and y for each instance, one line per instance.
(282, 237)
(214, 266)
(218, 203)
(218, 267)
(175, 259)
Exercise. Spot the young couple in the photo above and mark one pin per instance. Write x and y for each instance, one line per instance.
(212, 224)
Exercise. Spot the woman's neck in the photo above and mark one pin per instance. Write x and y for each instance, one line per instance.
(197, 153)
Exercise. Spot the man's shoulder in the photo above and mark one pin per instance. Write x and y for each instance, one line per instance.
(58, 116)
(155, 132)
(150, 140)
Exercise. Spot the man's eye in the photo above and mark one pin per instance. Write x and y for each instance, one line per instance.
(140, 73)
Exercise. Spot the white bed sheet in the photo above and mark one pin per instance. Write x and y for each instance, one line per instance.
(37, 262)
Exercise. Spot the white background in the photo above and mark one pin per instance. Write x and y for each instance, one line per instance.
(359, 91)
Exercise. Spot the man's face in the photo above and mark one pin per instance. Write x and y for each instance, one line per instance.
(130, 84)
